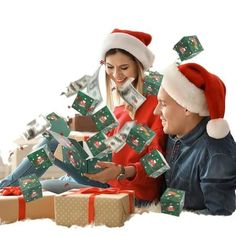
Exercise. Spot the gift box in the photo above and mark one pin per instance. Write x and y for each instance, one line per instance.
(154, 164)
(110, 207)
(188, 47)
(41, 158)
(76, 156)
(58, 124)
(14, 208)
(91, 163)
(104, 120)
(139, 137)
(30, 187)
(96, 143)
(152, 83)
(172, 201)
(84, 104)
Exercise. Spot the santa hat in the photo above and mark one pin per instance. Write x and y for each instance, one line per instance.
(199, 91)
(133, 42)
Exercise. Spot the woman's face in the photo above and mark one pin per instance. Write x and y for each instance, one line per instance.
(120, 67)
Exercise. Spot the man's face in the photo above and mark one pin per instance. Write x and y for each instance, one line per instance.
(173, 116)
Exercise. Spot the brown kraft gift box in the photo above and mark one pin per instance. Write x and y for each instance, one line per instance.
(14, 208)
(94, 206)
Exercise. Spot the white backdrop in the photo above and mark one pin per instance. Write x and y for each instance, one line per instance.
(46, 44)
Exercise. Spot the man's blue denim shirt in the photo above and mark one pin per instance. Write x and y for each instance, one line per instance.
(205, 168)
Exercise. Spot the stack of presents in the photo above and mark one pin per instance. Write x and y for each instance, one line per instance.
(111, 207)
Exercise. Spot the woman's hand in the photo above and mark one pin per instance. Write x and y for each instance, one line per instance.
(111, 171)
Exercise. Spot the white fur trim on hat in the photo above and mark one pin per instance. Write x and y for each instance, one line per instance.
(217, 128)
(184, 92)
(130, 44)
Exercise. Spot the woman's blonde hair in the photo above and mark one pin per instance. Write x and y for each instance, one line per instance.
(112, 93)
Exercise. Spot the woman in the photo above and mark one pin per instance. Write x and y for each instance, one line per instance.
(125, 54)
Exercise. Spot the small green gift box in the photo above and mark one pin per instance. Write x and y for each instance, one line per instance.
(91, 163)
(172, 201)
(139, 137)
(152, 83)
(188, 47)
(96, 143)
(154, 164)
(58, 124)
(75, 156)
(41, 158)
(30, 187)
(84, 104)
(104, 119)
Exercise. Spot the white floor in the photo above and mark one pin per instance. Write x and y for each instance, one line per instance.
(150, 223)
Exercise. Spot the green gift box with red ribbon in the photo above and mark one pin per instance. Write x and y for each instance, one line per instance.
(98, 206)
(13, 206)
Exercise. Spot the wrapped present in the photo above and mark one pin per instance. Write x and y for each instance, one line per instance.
(58, 124)
(84, 104)
(41, 158)
(172, 201)
(91, 163)
(97, 146)
(110, 207)
(154, 163)
(14, 207)
(76, 156)
(188, 47)
(104, 120)
(152, 83)
(30, 187)
(139, 137)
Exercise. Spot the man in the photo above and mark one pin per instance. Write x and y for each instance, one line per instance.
(200, 149)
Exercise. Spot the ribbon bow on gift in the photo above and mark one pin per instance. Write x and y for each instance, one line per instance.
(11, 190)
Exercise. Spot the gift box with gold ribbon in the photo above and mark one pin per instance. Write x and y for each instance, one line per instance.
(13, 207)
(98, 206)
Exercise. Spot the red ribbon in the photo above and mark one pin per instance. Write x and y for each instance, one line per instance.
(11, 190)
(15, 191)
(94, 191)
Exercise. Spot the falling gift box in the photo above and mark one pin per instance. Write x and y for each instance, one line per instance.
(41, 159)
(14, 208)
(104, 120)
(172, 201)
(91, 163)
(30, 187)
(154, 163)
(84, 104)
(152, 83)
(97, 146)
(188, 47)
(110, 207)
(139, 137)
(58, 124)
(75, 156)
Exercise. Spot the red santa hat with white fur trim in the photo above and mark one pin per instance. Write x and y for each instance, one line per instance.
(199, 91)
(134, 42)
